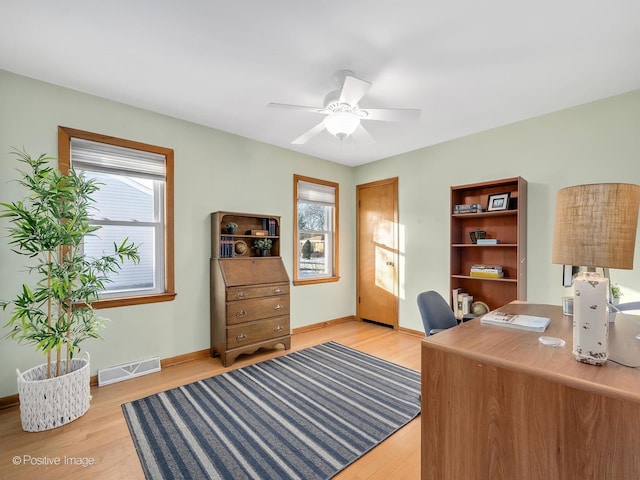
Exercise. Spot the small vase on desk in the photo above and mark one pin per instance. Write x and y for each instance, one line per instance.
(590, 321)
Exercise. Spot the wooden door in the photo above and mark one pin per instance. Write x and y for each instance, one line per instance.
(377, 252)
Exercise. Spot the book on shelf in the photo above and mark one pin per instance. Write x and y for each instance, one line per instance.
(483, 267)
(226, 247)
(521, 322)
(461, 302)
(455, 293)
(269, 226)
(467, 301)
(467, 208)
(486, 274)
(487, 241)
(486, 271)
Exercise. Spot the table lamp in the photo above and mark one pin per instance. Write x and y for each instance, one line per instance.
(595, 226)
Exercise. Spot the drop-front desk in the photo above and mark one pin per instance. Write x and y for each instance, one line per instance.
(497, 404)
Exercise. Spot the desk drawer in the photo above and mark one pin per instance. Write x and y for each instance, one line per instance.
(244, 293)
(257, 331)
(257, 308)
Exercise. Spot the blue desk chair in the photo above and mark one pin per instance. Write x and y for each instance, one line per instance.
(436, 313)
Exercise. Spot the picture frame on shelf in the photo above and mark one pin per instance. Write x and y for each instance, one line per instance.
(498, 201)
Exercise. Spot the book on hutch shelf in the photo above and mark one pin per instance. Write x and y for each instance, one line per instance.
(226, 247)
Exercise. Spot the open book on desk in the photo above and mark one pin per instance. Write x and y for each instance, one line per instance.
(510, 320)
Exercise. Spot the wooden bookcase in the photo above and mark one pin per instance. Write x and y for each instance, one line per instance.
(509, 226)
(249, 292)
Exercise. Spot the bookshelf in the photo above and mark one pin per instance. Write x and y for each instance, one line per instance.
(249, 291)
(509, 226)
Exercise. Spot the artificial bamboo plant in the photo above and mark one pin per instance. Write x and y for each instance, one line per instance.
(49, 226)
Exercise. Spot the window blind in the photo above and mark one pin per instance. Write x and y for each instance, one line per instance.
(102, 157)
(314, 192)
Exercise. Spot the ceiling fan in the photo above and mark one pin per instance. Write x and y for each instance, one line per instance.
(343, 115)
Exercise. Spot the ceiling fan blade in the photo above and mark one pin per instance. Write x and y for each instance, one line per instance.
(392, 114)
(296, 107)
(305, 137)
(353, 90)
(362, 136)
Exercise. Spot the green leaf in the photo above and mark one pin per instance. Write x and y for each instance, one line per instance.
(49, 226)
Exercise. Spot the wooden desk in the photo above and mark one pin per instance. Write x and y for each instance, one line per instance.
(497, 404)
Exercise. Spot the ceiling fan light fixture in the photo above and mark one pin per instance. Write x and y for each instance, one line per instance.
(343, 115)
(341, 124)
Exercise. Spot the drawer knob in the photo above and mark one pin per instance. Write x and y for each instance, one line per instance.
(242, 336)
(277, 290)
(240, 295)
(278, 307)
(279, 328)
(241, 314)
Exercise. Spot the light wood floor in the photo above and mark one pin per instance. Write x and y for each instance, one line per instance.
(102, 437)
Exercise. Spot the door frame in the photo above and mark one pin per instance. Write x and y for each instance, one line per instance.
(396, 243)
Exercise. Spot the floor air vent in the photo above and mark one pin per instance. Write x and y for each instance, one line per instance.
(127, 371)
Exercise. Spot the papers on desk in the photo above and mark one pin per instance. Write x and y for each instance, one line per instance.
(522, 322)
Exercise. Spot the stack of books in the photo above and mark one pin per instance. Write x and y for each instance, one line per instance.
(467, 208)
(269, 225)
(461, 302)
(487, 271)
(226, 247)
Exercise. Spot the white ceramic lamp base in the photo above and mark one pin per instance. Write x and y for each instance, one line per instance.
(590, 319)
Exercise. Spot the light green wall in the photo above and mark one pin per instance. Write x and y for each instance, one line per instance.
(213, 171)
(597, 142)
(592, 143)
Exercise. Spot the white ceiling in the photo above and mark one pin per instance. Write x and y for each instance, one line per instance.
(468, 65)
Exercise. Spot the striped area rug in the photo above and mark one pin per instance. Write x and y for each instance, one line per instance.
(304, 415)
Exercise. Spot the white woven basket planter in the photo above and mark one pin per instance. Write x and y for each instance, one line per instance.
(47, 403)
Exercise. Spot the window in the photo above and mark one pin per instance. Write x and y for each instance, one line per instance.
(135, 201)
(316, 232)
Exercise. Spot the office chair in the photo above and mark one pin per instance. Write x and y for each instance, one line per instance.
(436, 313)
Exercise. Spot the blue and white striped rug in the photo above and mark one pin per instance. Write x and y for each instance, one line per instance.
(307, 415)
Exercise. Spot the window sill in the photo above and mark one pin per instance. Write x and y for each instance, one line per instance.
(313, 281)
(126, 301)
